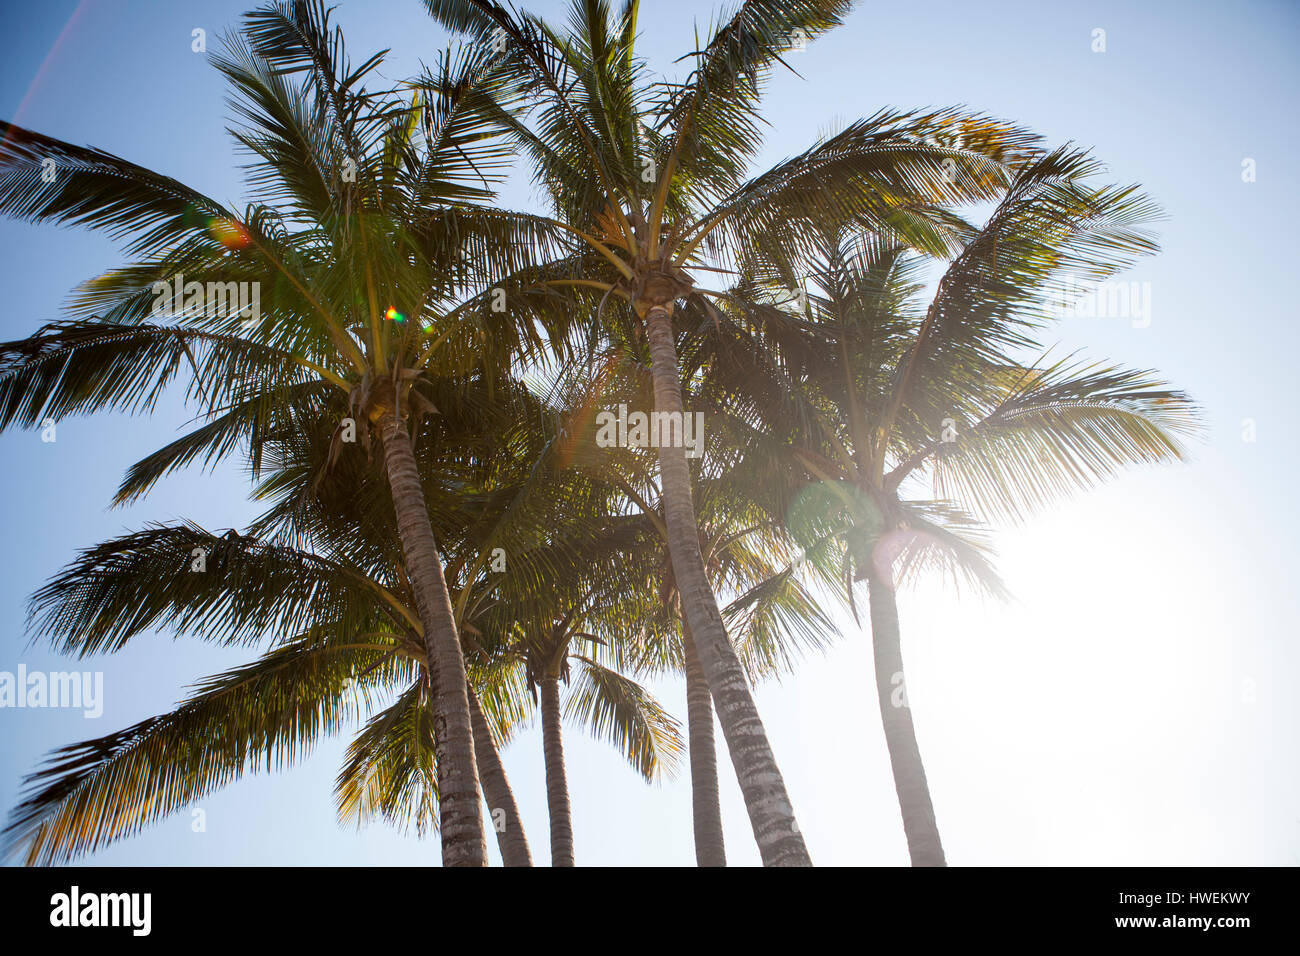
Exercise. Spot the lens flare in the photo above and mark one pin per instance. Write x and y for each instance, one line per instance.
(228, 232)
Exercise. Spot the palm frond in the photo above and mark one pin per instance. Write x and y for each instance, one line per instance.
(623, 712)
(1060, 429)
(268, 713)
(223, 588)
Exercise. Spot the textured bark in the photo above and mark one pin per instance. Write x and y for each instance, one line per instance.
(460, 817)
(705, 806)
(557, 787)
(770, 812)
(496, 790)
(900, 736)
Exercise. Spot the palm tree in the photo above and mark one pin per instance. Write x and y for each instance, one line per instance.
(560, 603)
(610, 702)
(878, 390)
(565, 580)
(771, 613)
(363, 236)
(321, 575)
(649, 176)
(343, 637)
(328, 622)
(746, 554)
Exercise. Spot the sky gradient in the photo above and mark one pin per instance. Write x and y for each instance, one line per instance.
(1130, 706)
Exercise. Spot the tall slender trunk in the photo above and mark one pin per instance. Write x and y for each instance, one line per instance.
(557, 786)
(706, 810)
(502, 809)
(459, 815)
(770, 813)
(900, 736)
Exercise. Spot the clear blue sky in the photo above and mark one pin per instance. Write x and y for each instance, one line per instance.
(1135, 704)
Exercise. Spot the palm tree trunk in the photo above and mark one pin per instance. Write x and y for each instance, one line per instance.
(557, 786)
(770, 812)
(900, 736)
(503, 810)
(706, 809)
(459, 814)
